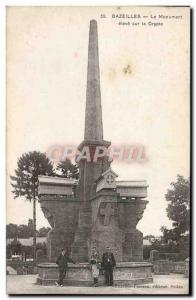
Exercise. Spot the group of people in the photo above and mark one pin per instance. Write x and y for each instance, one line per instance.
(106, 266)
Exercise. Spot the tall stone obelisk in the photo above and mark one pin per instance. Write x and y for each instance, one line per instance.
(93, 137)
(93, 115)
(103, 212)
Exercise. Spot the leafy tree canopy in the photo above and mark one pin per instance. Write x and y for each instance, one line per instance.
(24, 231)
(29, 166)
(67, 170)
(178, 211)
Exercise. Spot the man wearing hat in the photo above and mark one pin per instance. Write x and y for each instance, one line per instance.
(108, 263)
(62, 262)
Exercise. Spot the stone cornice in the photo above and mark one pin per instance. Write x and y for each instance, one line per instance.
(51, 197)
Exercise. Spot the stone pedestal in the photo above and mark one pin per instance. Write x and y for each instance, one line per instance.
(114, 224)
(62, 215)
(125, 274)
(81, 242)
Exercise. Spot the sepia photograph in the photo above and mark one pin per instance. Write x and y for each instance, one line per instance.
(98, 150)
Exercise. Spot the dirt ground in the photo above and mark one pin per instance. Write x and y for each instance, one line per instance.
(162, 284)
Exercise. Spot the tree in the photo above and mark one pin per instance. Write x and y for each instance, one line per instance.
(24, 232)
(178, 210)
(25, 181)
(158, 245)
(67, 170)
(21, 231)
(43, 231)
(11, 231)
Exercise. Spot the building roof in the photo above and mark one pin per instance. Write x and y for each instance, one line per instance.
(146, 242)
(29, 241)
(109, 171)
(132, 183)
(105, 173)
(55, 180)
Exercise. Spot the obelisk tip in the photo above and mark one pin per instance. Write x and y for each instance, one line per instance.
(93, 22)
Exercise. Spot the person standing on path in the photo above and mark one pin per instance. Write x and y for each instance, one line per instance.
(62, 262)
(108, 264)
(94, 266)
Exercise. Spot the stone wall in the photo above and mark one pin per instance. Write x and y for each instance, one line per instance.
(114, 225)
(167, 267)
(62, 215)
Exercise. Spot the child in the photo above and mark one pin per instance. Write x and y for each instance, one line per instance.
(94, 266)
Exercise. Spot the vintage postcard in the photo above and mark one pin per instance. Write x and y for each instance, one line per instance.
(98, 150)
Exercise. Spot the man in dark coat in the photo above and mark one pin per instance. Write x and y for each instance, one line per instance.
(108, 263)
(62, 262)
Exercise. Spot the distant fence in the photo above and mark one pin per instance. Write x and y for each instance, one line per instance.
(167, 267)
(178, 267)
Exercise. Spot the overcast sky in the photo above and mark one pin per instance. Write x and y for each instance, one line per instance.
(46, 86)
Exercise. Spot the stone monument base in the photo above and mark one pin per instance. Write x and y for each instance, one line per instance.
(125, 274)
